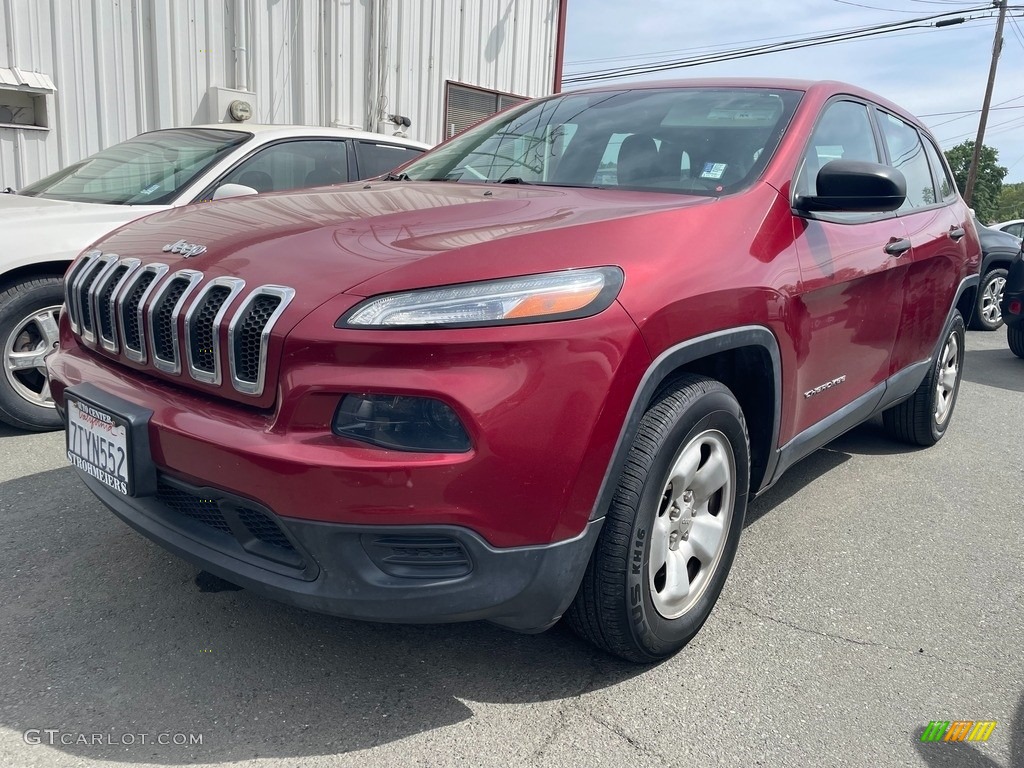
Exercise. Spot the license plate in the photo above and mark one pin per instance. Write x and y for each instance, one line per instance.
(98, 445)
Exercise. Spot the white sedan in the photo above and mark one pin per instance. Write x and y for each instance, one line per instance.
(48, 223)
(1014, 226)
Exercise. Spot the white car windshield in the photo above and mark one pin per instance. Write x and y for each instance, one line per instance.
(151, 169)
(690, 140)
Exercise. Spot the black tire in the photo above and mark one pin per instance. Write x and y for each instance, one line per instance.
(17, 303)
(615, 608)
(918, 420)
(1015, 338)
(990, 291)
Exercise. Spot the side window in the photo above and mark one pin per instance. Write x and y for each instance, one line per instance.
(843, 133)
(947, 187)
(907, 154)
(291, 165)
(375, 159)
(1015, 229)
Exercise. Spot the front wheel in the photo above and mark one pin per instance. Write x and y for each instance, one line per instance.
(923, 419)
(671, 534)
(28, 330)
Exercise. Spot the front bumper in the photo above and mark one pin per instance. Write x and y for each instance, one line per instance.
(229, 490)
(342, 569)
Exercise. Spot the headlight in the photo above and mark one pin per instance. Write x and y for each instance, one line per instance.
(530, 299)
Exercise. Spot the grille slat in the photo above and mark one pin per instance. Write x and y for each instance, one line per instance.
(202, 337)
(163, 319)
(162, 332)
(104, 309)
(249, 333)
(247, 340)
(71, 288)
(202, 328)
(84, 297)
(130, 311)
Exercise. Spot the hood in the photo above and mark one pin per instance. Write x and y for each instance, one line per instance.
(52, 230)
(366, 238)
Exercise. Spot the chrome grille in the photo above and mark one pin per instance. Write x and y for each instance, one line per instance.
(130, 308)
(163, 319)
(249, 334)
(135, 310)
(202, 328)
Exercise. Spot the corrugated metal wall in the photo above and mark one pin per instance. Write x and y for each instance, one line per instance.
(125, 66)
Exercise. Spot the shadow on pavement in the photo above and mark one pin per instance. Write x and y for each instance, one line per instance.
(104, 632)
(995, 368)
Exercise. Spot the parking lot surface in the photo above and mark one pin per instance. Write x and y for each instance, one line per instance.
(877, 588)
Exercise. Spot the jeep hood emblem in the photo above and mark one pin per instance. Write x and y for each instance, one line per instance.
(187, 250)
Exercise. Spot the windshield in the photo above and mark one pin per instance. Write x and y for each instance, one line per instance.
(151, 169)
(707, 141)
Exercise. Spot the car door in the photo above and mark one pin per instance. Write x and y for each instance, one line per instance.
(938, 230)
(851, 278)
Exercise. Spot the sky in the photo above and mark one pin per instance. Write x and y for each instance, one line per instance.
(926, 71)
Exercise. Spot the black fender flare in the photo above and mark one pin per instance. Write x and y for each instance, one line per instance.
(663, 366)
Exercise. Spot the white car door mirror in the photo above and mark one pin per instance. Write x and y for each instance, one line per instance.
(224, 191)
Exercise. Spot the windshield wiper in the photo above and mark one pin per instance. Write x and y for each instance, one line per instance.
(396, 177)
(511, 180)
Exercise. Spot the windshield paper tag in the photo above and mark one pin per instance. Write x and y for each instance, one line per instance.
(713, 170)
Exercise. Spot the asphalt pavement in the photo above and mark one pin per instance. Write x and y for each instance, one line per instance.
(877, 588)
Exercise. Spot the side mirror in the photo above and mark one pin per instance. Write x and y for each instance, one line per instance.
(855, 185)
(224, 191)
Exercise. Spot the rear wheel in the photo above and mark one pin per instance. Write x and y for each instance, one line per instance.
(987, 315)
(671, 534)
(1015, 338)
(922, 420)
(28, 330)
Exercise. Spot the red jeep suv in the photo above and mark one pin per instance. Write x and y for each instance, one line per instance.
(540, 371)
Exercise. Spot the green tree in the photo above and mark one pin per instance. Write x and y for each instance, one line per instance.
(1011, 202)
(990, 177)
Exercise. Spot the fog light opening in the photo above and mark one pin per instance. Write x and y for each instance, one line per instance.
(402, 423)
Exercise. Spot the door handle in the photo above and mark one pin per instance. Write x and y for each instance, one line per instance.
(955, 233)
(897, 246)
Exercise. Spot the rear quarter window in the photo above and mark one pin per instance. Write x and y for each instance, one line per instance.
(374, 159)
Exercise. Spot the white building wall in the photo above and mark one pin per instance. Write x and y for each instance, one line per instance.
(121, 67)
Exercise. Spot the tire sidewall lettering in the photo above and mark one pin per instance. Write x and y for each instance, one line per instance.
(656, 633)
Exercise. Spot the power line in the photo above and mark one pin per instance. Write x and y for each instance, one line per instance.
(697, 48)
(791, 44)
(873, 7)
(967, 112)
(964, 135)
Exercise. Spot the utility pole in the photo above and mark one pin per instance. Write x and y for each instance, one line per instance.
(997, 47)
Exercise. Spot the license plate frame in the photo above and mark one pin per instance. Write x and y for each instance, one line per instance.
(99, 426)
